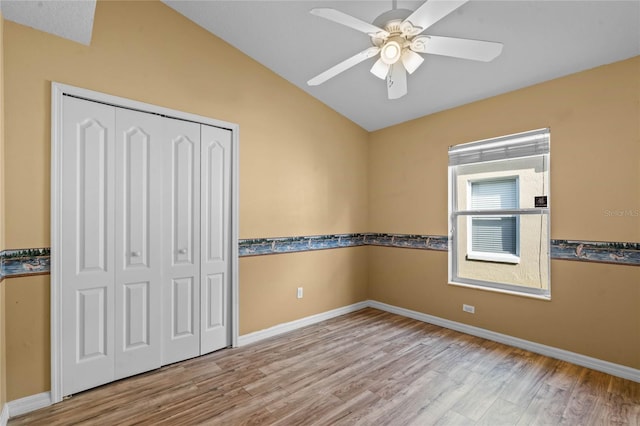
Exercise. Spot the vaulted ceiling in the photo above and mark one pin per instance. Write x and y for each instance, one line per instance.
(542, 40)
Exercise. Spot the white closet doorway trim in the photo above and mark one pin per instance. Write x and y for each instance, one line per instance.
(58, 92)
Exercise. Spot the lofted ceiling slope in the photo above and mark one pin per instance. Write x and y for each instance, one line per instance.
(542, 40)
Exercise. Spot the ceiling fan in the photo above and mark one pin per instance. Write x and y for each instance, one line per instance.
(397, 38)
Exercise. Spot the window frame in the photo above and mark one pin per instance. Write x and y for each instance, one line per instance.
(488, 256)
(536, 144)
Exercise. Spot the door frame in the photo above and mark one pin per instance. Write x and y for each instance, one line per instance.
(58, 90)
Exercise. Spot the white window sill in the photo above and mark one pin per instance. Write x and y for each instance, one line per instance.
(494, 257)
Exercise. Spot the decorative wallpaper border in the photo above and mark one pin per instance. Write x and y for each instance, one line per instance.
(422, 242)
(585, 251)
(17, 263)
(596, 251)
(30, 261)
(262, 246)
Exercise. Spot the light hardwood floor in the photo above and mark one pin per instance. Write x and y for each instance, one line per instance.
(369, 367)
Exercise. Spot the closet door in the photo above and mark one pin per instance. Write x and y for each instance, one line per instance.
(181, 199)
(138, 244)
(216, 223)
(87, 242)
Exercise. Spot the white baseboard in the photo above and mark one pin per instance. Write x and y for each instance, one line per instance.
(302, 322)
(550, 351)
(4, 415)
(572, 357)
(28, 404)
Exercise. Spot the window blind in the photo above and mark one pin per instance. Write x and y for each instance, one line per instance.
(494, 194)
(494, 234)
(527, 144)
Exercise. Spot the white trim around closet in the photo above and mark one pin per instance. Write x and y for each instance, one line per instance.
(58, 90)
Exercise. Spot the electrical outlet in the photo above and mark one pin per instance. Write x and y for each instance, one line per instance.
(469, 308)
(299, 294)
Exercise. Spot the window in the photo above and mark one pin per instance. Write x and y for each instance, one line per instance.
(493, 238)
(499, 214)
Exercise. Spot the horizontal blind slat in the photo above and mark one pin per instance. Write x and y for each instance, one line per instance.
(494, 235)
(495, 194)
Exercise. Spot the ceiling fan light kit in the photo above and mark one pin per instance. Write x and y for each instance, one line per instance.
(391, 51)
(411, 60)
(396, 38)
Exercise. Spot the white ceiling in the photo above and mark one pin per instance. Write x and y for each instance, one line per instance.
(72, 20)
(542, 40)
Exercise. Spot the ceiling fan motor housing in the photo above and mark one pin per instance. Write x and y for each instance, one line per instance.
(390, 17)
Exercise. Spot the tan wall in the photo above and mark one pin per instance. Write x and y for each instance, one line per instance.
(3, 357)
(595, 152)
(302, 166)
(3, 370)
(298, 176)
(338, 278)
(2, 113)
(27, 335)
(594, 308)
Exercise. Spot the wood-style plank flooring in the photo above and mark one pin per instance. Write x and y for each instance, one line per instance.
(367, 368)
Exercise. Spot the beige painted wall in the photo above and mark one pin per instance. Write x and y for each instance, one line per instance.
(27, 336)
(330, 278)
(594, 308)
(3, 370)
(298, 176)
(3, 357)
(2, 113)
(302, 166)
(595, 152)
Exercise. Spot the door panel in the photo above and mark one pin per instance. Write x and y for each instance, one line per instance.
(138, 245)
(184, 195)
(91, 143)
(86, 258)
(92, 324)
(215, 303)
(183, 307)
(137, 146)
(213, 158)
(136, 308)
(181, 144)
(216, 213)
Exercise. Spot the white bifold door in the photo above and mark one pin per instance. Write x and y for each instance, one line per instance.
(196, 201)
(145, 242)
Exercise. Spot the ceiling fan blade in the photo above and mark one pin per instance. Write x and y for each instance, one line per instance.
(411, 60)
(397, 81)
(432, 11)
(349, 21)
(343, 66)
(380, 69)
(476, 50)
